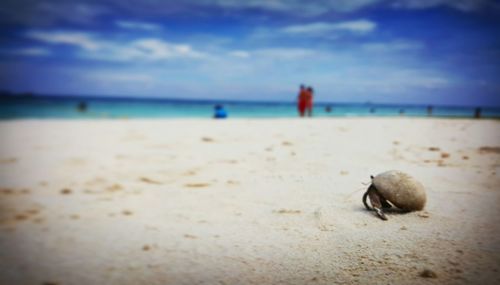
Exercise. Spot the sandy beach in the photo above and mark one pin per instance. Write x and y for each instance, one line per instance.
(246, 201)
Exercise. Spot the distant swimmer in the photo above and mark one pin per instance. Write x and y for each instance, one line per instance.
(219, 112)
(82, 107)
(477, 113)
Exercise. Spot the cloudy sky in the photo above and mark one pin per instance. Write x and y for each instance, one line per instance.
(401, 51)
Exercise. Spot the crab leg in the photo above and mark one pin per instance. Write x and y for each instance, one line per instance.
(384, 202)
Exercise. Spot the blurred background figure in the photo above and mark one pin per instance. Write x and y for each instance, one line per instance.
(309, 101)
(219, 112)
(477, 113)
(302, 100)
(82, 107)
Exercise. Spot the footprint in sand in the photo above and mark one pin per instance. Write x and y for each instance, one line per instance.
(26, 215)
(96, 181)
(196, 185)
(33, 211)
(207, 139)
(287, 211)
(148, 180)
(66, 191)
(489, 149)
(9, 191)
(20, 217)
(8, 160)
(115, 187)
(445, 155)
(440, 163)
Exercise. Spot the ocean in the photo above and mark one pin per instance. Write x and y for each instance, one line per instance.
(53, 107)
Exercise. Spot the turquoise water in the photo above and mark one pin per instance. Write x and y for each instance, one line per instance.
(12, 107)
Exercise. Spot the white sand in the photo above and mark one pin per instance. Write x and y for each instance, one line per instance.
(245, 202)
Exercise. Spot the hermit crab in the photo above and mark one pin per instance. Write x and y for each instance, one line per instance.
(396, 188)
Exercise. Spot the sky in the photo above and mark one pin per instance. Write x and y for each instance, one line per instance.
(379, 51)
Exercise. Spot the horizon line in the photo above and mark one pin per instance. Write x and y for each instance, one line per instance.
(5, 93)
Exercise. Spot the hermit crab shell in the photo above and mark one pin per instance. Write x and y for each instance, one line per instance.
(402, 190)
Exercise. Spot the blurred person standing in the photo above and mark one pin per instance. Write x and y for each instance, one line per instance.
(302, 100)
(309, 101)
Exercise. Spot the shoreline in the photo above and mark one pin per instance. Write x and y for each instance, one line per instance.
(319, 118)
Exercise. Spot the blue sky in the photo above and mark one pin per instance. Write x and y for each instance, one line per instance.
(384, 51)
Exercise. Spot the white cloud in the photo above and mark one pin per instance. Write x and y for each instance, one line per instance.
(133, 25)
(393, 46)
(157, 49)
(150, 50)
(297, 7)
(318, 28)
(314, 8)
(140, 49)
(81, 40)
(286, 53)
(90, 12)
(120, 77)
(239, 53)
(325, 30)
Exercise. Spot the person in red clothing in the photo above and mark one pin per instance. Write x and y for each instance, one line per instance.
(302, 100)
(309, 101)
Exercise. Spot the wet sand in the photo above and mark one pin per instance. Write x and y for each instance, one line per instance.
(246, 202)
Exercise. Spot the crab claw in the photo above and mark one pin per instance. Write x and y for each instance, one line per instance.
(381, 214)
(376, 200)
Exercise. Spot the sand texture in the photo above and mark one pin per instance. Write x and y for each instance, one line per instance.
(246, 202)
